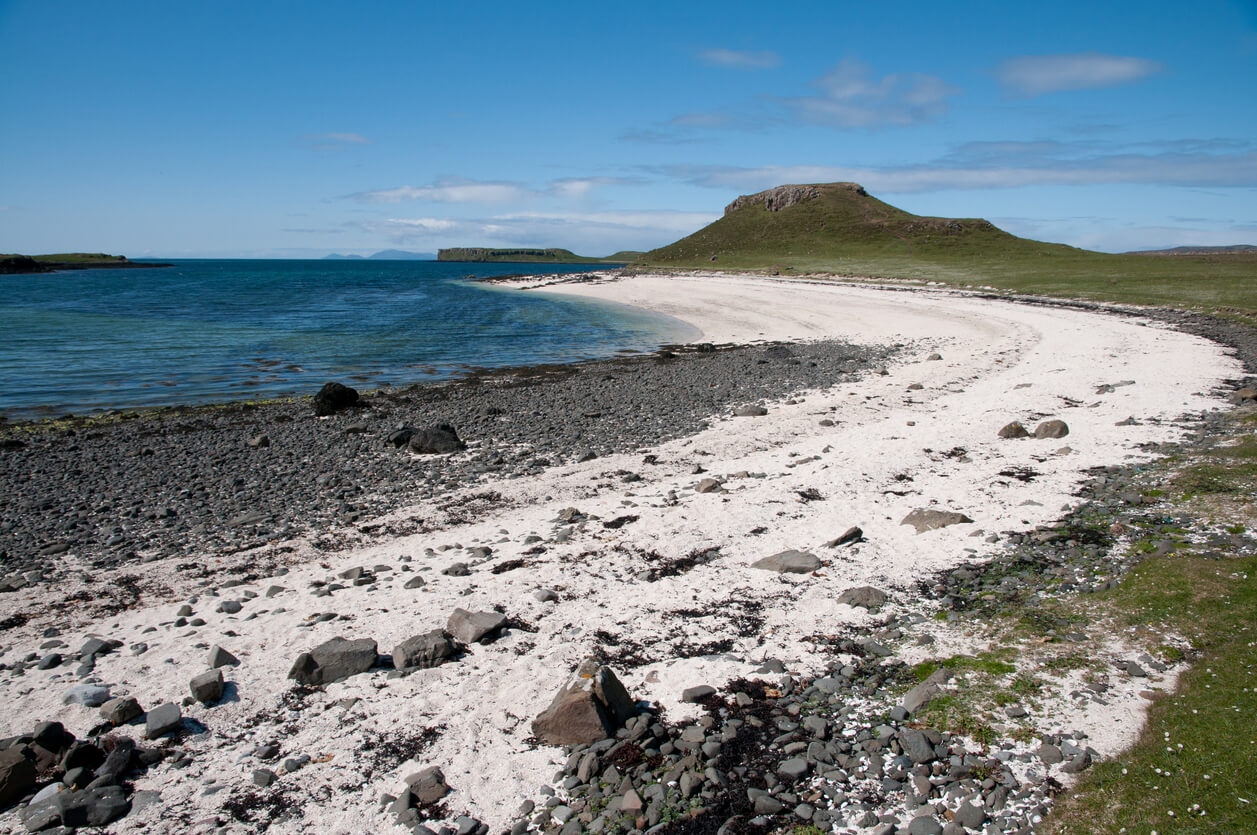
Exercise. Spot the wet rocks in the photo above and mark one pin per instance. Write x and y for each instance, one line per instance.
(590, 707)
(929, 519)
(789, 562)
(332, 398)
(333, 661)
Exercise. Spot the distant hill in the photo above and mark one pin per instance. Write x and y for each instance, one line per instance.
(522, 256)
(384, 255)
(805, 224)
(33, 264)
(1234, 249)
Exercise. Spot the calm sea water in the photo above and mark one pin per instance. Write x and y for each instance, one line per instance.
(200, 331)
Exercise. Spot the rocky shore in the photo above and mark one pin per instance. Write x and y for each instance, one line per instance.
(712, 590)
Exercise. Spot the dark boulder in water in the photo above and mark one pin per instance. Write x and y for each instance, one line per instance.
(333, 397)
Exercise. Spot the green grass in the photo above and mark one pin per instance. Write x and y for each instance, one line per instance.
(847, 233)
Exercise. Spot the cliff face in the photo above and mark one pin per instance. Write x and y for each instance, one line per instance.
(783, 197)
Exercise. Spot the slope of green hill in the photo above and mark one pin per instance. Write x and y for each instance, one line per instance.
(840, 229)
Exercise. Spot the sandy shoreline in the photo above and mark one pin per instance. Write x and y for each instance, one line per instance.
(864, 453)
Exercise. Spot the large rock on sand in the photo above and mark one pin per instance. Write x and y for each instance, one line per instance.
(473, 627)
(334, 660)
(926, 519)
(333, 397)
(1051, 429)
(431, 649)
(593, 705)
(17, 776)
(789, 562)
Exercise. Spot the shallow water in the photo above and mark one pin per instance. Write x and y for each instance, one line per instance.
(202, 331)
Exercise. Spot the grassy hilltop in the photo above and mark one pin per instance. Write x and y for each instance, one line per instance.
(552, 255)
(841, 229)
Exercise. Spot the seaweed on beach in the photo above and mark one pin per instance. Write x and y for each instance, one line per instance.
(262, 807)
(383, 752)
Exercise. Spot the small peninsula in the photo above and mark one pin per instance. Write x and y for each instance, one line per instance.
(13, 264)
(529, 256)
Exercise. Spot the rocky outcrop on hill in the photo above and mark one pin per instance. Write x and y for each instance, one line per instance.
(783, 197)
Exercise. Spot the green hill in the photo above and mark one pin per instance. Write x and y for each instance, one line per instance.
(840, 229)
(522, 256)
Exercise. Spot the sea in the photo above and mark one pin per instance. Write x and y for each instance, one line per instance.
(88, 341)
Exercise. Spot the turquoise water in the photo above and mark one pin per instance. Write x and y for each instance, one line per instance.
(199, 331)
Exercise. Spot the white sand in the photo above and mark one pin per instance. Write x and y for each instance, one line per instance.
(1000, 362)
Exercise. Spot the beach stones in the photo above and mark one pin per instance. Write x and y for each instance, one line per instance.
(789, 562)
(333, 661)
(436, 440)
(865, 597)
(207, 687)
(219, 657)
(1014, 430)
(162, 719)
(1051, 429)
(332, 398)
(17, 776)
(591, 706)
(121, 710)
(473, 627)
(927, 519)
(430, 649)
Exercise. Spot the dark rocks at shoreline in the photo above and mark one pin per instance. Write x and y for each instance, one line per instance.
(123, 490)
(332, 398)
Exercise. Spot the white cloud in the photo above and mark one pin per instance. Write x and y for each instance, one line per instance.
(851, 98)
(582, 232)
(1035, 75)
(452, 190)
(739, 60)
(1002, 165)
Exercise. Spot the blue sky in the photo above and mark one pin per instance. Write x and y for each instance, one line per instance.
(294, 129)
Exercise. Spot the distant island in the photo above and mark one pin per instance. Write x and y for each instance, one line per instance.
(384, 255)
(1233, 249)
(28, 264)
(530, 256)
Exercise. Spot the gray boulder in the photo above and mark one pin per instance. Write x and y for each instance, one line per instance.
(750, 411)
(473, 627)
(927, 519)
(333, 661)
(121, 710)
(1014, 430)
(17, 776)
(431, 649)
(427, 786)
(162, 720)
(207, 688)
(436, 440)
(1051, 429)
(219, 657)
(789, 562)
(865, 597)
(92, 807)
(921, 695)
(591, 706)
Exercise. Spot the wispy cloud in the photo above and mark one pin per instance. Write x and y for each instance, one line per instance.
(1035, 75)
(460, 190)
(450, 190)
(583, 232)
(334, 141)
(1010, 165)
(851, 98)
(739, 60)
